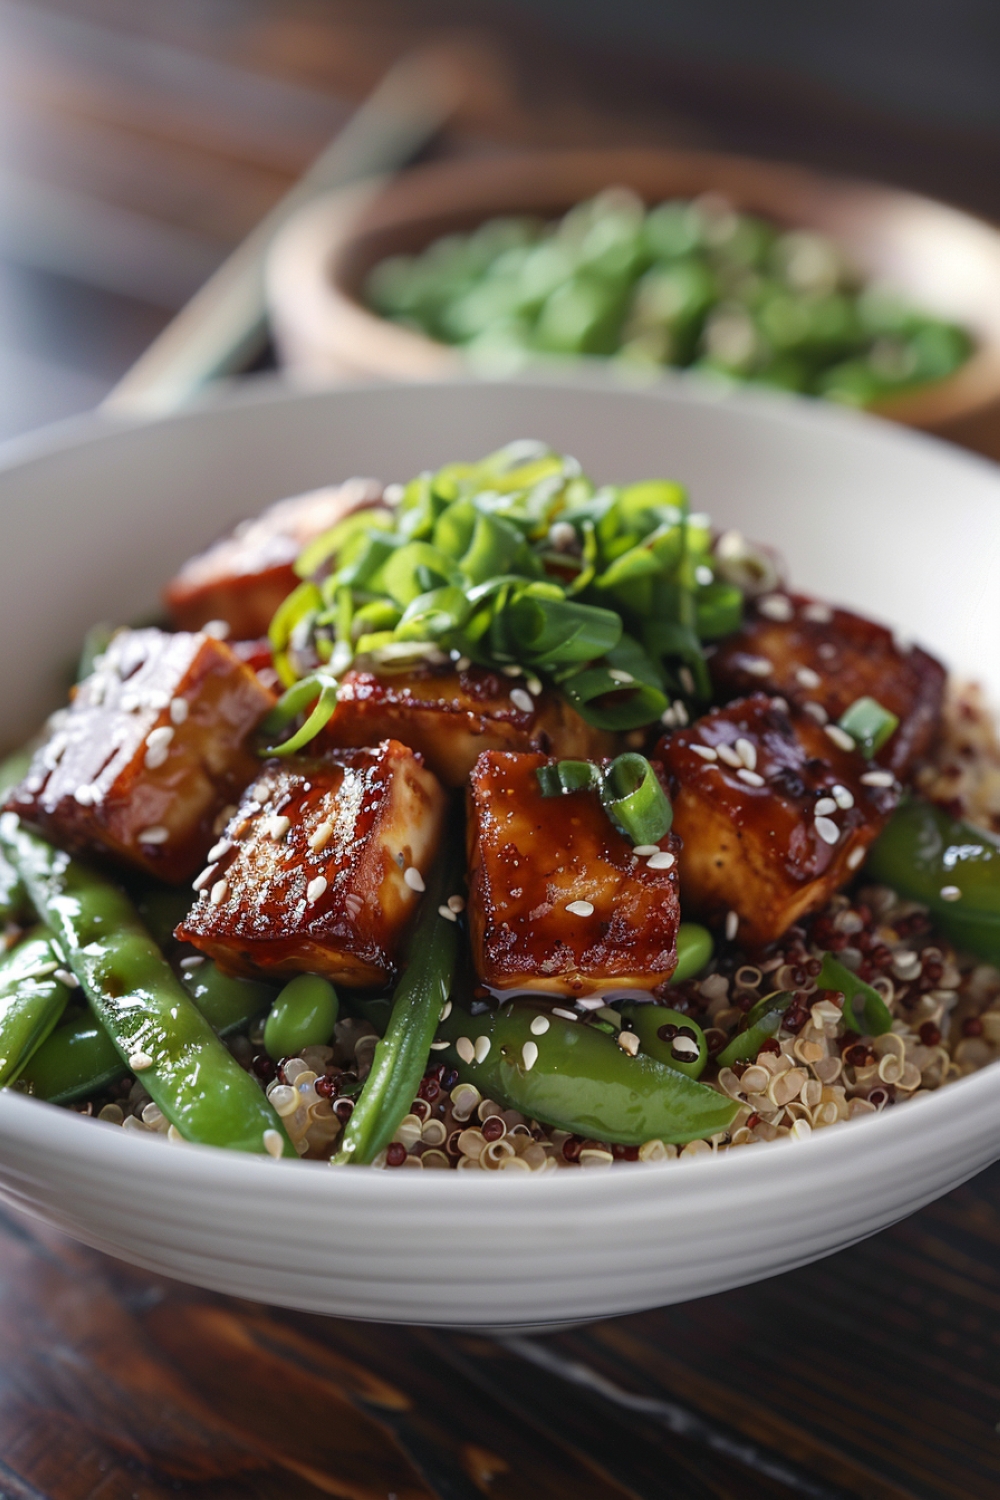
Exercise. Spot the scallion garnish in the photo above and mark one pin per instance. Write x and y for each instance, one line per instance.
(869, 725)
(629, 789)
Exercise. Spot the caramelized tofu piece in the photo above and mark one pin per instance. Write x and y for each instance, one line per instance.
(451, 717)
(320, 869)
(244, 576)
(152, 748)
(813, 654)
(558, 901)
(773, 811)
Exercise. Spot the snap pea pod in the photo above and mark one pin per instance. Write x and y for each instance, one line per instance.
(950, 867)
(763, 1021)
(198, 1085)
(13, 896)
(653, 1025)
(572, 1076)
(401, 1056)
(32, 1000)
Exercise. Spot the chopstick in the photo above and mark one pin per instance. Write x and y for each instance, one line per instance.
(224, 326)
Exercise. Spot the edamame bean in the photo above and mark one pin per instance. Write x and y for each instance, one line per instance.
(303, 1015)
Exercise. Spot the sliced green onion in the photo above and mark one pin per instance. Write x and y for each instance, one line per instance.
(319, 688)
(554, 632)
(864, 1009)
(433, 615)
(869, 725)
(608, 703)
(565, 776)
(718, 610)
(763, 1020)
(301, 602)
(634, 799)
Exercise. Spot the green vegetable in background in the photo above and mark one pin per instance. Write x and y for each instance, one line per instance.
(32, 1000)
(303, 1015)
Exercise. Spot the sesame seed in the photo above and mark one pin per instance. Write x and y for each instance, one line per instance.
(747, 752)
(277, 827)
(224, 816)
(158, 746)
(828, 830)
(780, 704)
(522, 700)
(566, 1015)
(87, 795)
(827, 650)
(824, 807)
(139, 1062)
(155, 835)
(534, 686)
(529, 1055)
(540, 1025)
(729, 755)
(178, 710)
(645, 850)
(463, 664)
(807, 678)
(732, 924)
(628, 1042)
(482, 1048)
(219, 892)
(950, 893)
(511, 670)
(819, 614)
(219, 849)
(686, 679)
(465, 1049)
(843, 797)
(661, 860)
(681, 713)
(439, 1046)
(685, 1048)
(840, 737)
(855, 858)
(705, 751)
(581, 908)
(457, 903)
(259, 793)
(703, 575)
(617, 675)
(321, 836)
(193, 961)
(757, 666)
(775, 607)
(445, 1011)
(751, 778)
(878, 778)
(413, 878)
(447, 913)
(273, 1144)
(315, 889)
(562, 535)
(67, 977)
(202, 880)
(217, 629)
(816, 711)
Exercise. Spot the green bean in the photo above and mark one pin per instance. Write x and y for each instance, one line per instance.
(401, 1056)
(78, 1059)
(32, 1000)
(156, 1028)
(303, 1015)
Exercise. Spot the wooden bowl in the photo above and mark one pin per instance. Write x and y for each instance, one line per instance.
(946, 261)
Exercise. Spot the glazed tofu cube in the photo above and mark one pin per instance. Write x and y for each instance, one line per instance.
(153, 746)
(558, 901)
(244, 576)
(321, 867)
(774, 812)
(813, 654)
(451, 717)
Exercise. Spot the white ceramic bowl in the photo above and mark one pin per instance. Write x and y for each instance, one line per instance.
(95, 517)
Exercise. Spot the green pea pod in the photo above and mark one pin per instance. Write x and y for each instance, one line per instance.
(648, 1023)
(950, 867)
(32, 1000)
(13, 896)
(694, 949)
(864, 1009)
(198, 1085)
(78, 1059)
(303, 1015)
(573, 1076)
(762, 1022)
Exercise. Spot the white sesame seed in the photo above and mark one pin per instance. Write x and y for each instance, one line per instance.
(757, 666)
(439, 1046)
(819, 614)
(628, 1042)
(158, 746)
(681, 713)
(747, 752)
(775, 607)
(807, 678)
(729, 755)
(447, 913)
(413, 878)
(840, 737)
(457, 903)
(154, 835)
(321, 836)
(465, 1049)
(843, 797)
(566, 1015)
(562, 535)
(877, 778)
(703, 575)
(217, 629)
(617, 675)
(686, 679)
(445, 1011)
(219, 892)
(55, 750)
(224, 816)
(277, 827)
(828, 830)
(139, 1062)
(193, 961)
(750, 777)
(202, 880)
(645, 850)
(780, 704)
(482, 1048)
(589, 1002)
(732, 924)
(534, 685)
(259, 793)
(707, 752)
(463, 664)
(581, 908)
(273, 1144)
(179, 709)
(855, 858)
(67, 977)
(950, 893)
(522, 700)
(539, 1025)
(529, 1056)
(824, 807)
(816, 711)
(661, 860)
(219, 849)
(512, 669)
(87, 795)
(315, 889)
(686, 1047)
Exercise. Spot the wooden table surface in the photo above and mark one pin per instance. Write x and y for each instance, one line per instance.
(138, 142)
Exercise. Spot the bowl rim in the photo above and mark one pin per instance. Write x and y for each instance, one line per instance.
(57, 1129)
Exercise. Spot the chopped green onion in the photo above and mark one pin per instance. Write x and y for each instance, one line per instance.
(553, 632)
(718, 610)
(872, 1017)
(634, 798)
(565, 776)
(320, 689)
(763, 1020)
(869, 725)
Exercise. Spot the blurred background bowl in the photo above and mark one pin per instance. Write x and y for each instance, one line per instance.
(945, 261)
